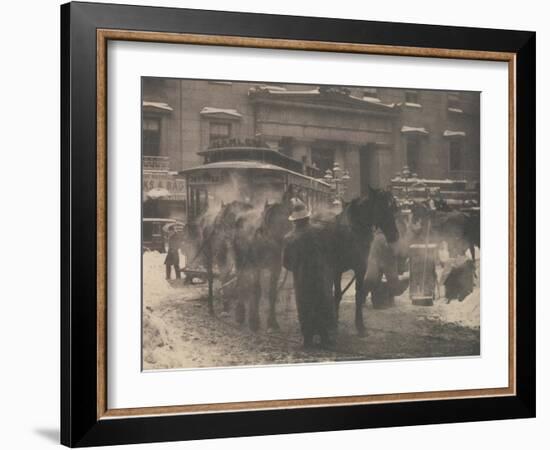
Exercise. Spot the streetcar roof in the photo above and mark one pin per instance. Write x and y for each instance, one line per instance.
(242, 165)
(237, 148)
(254, 153)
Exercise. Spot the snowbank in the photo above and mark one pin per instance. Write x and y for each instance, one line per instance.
(155, 286)
(465, 313)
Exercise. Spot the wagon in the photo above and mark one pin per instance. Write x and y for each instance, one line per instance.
(154, 235)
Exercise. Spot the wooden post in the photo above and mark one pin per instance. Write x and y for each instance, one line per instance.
(422, 273)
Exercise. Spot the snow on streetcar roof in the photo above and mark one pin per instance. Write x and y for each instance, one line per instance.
(248, 165)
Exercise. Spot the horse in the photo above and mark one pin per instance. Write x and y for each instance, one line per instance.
(461, 230)
(246, 241)
(217, 236)
(260, 250)
(349, 237)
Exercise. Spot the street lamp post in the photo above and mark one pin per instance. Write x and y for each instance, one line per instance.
(406, 174)
(338, 179)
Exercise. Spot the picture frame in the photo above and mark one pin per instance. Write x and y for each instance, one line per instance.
(86, 418)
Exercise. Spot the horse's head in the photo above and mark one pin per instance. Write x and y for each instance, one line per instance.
(275, 219)
(375, 209)
(385, 208)
(230, 214)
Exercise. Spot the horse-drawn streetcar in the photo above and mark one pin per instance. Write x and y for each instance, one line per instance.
(238, 203)
(253, 175)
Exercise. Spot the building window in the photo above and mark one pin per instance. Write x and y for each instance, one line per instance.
(455, 155)
(322, 158)
(411, 97)
(219, 130)
(285, 146)
(453, 101)
(413, 153)
(151, 136)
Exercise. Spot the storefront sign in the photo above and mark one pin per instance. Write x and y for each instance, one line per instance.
(175, 186)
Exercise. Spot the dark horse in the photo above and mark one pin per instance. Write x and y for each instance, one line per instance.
(350, 235)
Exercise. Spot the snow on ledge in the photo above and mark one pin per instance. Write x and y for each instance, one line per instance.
(211, 110)
(158, 105)
(371, 99)
(449, 133)
(419, 130)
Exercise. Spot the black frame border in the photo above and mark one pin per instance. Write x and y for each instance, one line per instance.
(79, 423)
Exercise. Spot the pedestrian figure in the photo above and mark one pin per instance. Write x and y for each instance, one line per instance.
(305, 254)
(173, 256)
(430, 201)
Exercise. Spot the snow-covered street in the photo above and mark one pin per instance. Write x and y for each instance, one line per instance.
(178, 331)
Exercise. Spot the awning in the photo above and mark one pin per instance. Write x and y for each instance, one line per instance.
(212, 111)
(157, 193)
(449, 133)
(414, 130)
(164, 107)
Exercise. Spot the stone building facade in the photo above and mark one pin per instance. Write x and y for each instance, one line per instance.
(371, 132)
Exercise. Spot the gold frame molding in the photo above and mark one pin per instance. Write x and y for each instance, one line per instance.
(105, 35)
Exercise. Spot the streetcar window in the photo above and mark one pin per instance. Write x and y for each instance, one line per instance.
(198, 202)
(203, 201)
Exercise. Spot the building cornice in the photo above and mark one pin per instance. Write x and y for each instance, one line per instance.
(367, 109)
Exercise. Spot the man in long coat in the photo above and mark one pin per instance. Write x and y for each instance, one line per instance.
(305, 254)
(173, 256)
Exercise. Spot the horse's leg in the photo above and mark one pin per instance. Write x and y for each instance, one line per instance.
(473, 251)
(210, 277)
(359, 299)
(254, 299)
(373, 277)
(274, 274)
(225, 281)
(337, 292)
(240, 310)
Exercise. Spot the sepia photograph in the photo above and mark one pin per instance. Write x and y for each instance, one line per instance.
(297, 223)
(272, 224)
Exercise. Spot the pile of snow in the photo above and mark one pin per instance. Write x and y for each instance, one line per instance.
(155, 286)
(465, 313)
(156, 338)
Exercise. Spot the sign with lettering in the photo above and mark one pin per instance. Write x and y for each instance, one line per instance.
(206, 177)
(174, 186)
